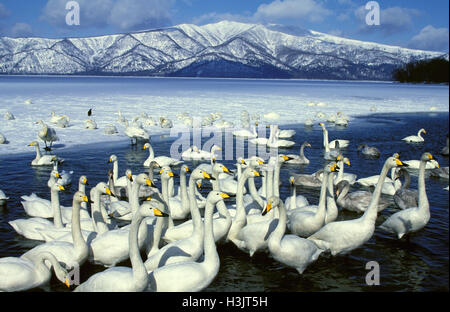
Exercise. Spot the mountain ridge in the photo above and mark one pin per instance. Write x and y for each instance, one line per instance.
(223, 49)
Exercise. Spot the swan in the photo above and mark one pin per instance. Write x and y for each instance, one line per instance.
(369, 151)
(179, 208)
(161, 160)
(246, 133)
(110, 247)
(290, 250)
(276, 142)
(332, 144)
(31, 227)
(308, 180)
(9, 116)
(135, 133)
(357, 201)
(47, 134)
(43, 160)
(341, 237)
(65, 177)
(192, 153)
(305, 223)
(3, 198)
(2, 138)
(120, 279)
(412, 219)
(415, 164)
(18, 274)
(441, 173)
(188, 249)
(286, 134)
(263, 140)
(66, 253)
(390, 186)
(404, 197)
(299, 159)
(60, 121)
(110, 129)
(350, 177)
(295, 201)
(190, 275)
(90, 124)
(416, 138)
(119, 183)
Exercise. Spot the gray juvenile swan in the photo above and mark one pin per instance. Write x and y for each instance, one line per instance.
(357, 201)
(404, 197)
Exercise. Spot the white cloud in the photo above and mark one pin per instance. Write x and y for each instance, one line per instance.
(392, 20)
(21, 30)
(123, 14)
(430, 38)
(292, 9)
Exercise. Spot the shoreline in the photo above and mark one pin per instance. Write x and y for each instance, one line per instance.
(121, 142)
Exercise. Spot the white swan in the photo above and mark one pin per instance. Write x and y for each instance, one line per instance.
(343, 236)
(18, 274)
(305, 223)
(161, 160)
(192, 276)
(43, 160)
(299, 159)
(135, 133)
(412, 219)
(2, 138)
(3, 198)
(188, 249)
(90, 124)
(47, 134)
(416, 138)
(66, 253)
(31, 227)
(246, 133)
(415, 164)
(119, 279)
(276, 142)
(65, 177)
(290, 250)
(332, 144)
(295, 201)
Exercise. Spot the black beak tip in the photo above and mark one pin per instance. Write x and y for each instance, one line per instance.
(264, 212)
(212, 178)
(90, 201)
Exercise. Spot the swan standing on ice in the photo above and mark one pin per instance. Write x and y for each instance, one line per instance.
(135, 133)
(2, 139)
(411, 219)
(416, 138)
(47, 134)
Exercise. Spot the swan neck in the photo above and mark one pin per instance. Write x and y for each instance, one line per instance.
(115, 170)
(97, 216)
(254, 192)
(38, 152)
(321, 210)
(269, 183)
(165, 194)
(332, 209)
(183, 190)
(423, 199)
(278, 233)
(54, 200)
(195, 213)
(371, 212)
(77, 236)
(276, 180)
(209, 244)
(140, 275)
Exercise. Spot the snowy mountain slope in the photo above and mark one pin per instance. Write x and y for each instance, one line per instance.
(224, 49)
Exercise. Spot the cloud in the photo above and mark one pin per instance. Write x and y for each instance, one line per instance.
(430, 38)
(214, 17)
(291, 9)
(21, 30)
(392, 20)
(126, 15)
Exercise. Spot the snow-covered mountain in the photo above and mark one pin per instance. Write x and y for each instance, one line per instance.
(224, 49)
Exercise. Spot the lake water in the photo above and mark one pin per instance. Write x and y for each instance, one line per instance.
(418, 265)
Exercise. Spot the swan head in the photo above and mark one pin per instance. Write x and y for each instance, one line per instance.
(83, 180)
(80, 197)
(393, 162)
(214, 196)
(154, 209)
(271, 203)
(219, 168)
(184, 169)
(129, 175)
(307, 144)
(166, 173)
(283, 158)
(34, 143)
(199, 174)
(423, 131)
(146, 146)
(241, 161)
(332, 167)
(55, 174)
(104, 189)
(292, 181)
(256, 161)
(62, 275)
(251, 173)
(427, 157)
(143, 179)
(112, 158)
(57, 187)
(341, 185)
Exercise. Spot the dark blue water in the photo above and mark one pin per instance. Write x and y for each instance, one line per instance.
(420, 264)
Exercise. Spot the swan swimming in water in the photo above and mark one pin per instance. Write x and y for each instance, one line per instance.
(416, 138)
(43, 160)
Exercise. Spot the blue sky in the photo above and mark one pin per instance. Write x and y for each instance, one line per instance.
(415, 23)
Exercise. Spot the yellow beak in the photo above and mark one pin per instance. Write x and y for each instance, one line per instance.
(225, 169)
(171, 174)
(224, 195)
(260, 162)
(256, 173)
(67, 283)
(61, 187)
(398, 162)
(206, 175)
(149, 183)
(108, 191)
(85, 198)
(58, 175)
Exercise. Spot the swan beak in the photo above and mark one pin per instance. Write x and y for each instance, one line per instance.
(61, 187)
(58, 175)
(292, 181)
(130, 177)
(339, 158)
(171, 174)
(243, 162)
(199, 185)
(224, 195)
(159, 213)
(67, 283)
(108, 191)
(348, 163)
(256, 173)
(187, 169)
(206, 175)
(430, 157)
(161, 171)
(109, 160)
(148, 198)
(267, 209)
(85, 199)
(225, 169)
(148, 182)
(145, 147)
(425, 131)
(85, 182)
(261, 162)
(400, 163)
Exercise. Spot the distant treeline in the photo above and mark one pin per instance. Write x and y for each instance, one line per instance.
(428, 71)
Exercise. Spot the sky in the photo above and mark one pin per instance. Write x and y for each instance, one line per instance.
(416, 24)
